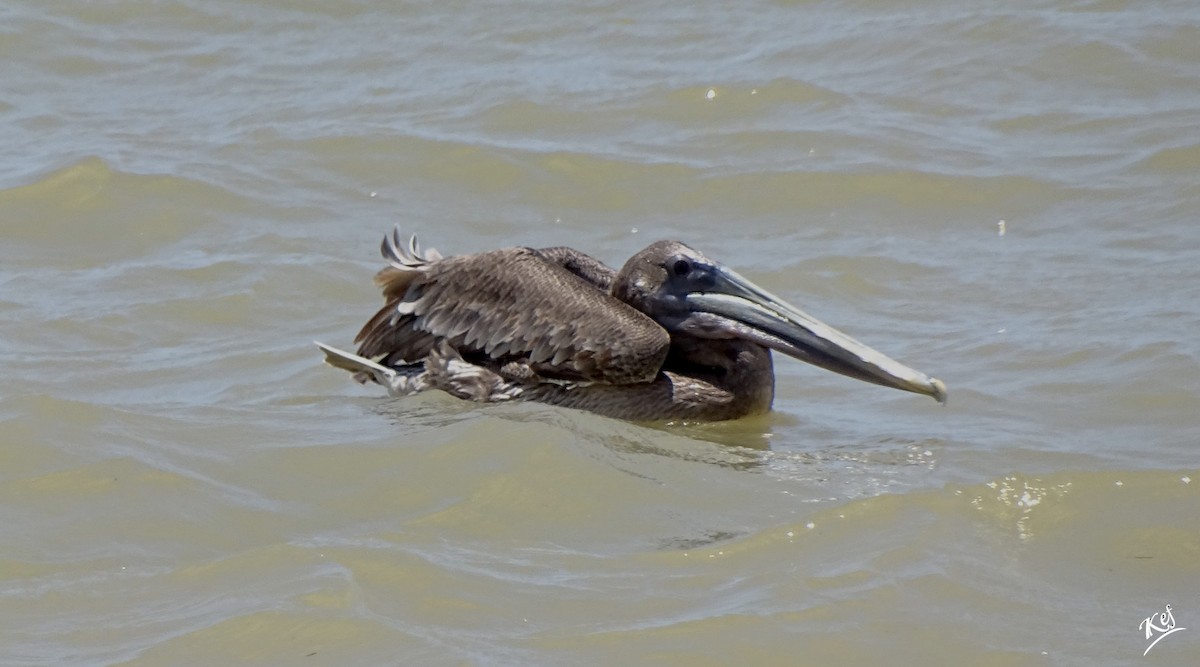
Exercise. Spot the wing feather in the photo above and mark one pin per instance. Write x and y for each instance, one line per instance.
(508, 305)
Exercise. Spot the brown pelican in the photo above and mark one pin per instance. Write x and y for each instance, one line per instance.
(673, 335)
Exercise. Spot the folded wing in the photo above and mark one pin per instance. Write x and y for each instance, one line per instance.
(525, 312)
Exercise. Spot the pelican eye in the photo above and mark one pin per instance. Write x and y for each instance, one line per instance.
(681, 267)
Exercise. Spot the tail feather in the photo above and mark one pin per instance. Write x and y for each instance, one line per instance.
(400, 381)
(356, 364)
(443, 369)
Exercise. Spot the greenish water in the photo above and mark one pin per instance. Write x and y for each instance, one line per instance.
(190, 193)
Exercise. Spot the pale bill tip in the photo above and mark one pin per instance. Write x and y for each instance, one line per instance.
(939, 390)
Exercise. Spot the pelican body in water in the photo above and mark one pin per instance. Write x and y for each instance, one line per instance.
(673, 335)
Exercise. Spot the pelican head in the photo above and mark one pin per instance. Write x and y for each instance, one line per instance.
(688, 293)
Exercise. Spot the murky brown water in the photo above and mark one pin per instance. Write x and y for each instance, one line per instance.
(191, 192)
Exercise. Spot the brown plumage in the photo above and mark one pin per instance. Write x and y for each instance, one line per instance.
(673, 335)
(522, 311)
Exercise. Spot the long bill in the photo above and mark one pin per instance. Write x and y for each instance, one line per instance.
(770, 321)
